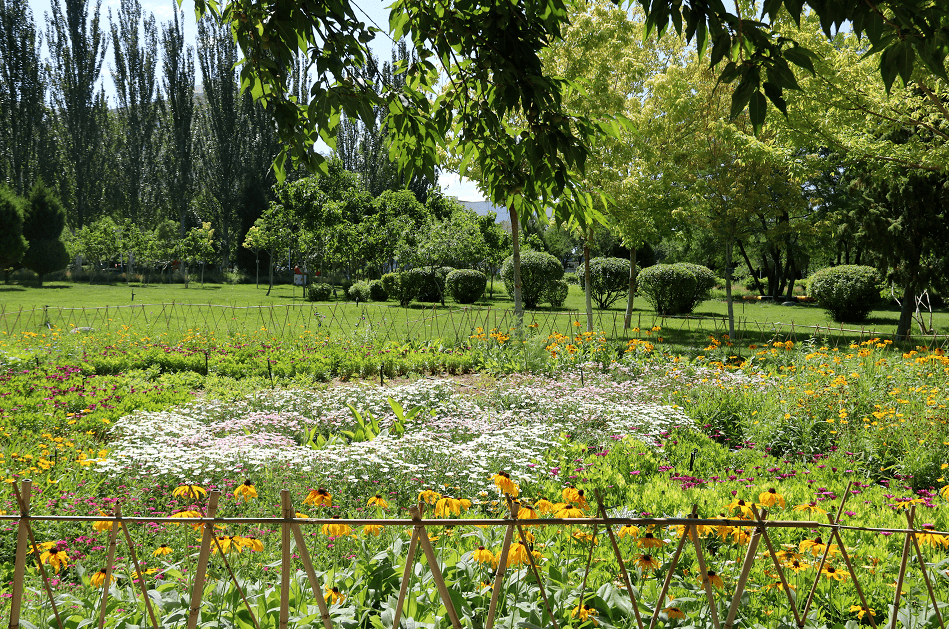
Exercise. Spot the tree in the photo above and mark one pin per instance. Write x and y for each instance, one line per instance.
(43, 224)
(135, 86)
(22, 93)
(12, 243)
(178, 108)
(254, 241)
(99, 241)
(196, 246)
(77, 49)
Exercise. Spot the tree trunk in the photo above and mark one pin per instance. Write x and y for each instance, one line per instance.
(587, 290)
(516, 255)
(751, 270)
(728, 291)
(905, 324)
(632, 288)
(269, 288)
(257, 260)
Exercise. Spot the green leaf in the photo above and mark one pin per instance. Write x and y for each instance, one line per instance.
(757, 110)
(747, 87)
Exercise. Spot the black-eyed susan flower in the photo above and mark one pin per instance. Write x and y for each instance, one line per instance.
(55, 558)
(333, 595)
(192, 492)
(526, 512)
(504, 483)
(98, 578)
(226, 544)
(372, 529)
(336, 529)
(771, 497)
(584, 537)
(796, 565)
(584, 612)
(816, 546)
(712, 577)
(484, 556)
(674, 613)
(570, 494)
(189, 513)
(102, 525)
(811, 507)
(446, 506)
(833, 573)
(740, 536)
(861, 611)
(628, 531)
(647, 562)
(429, 496)
(648, 540)
(378, 501)
(929, 538)
(569, 511)
(245, 490)
(788, 553)
(161, 550)
(249, 542)
(517, 555)
(319, 498)
(741, 507)
(544, 506)
(42, 546)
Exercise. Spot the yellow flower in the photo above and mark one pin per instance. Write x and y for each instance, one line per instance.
(245, 490)
(333, 595)
(336, 529)
(319, 497)
(517, 555)
(429, 496)
(584, 612)
(372, 529)
(226, 542)
(569, 511)
(503, 482)
(816, 546)
(570, 494)
(447, 506)
(55, 558)
(526, 512)
(377, 501)
(628, 530)
(812, 507)
(162, 550)
(674, 612)
(833, 573)
(189, 514)
(102, 525)
(250, 542)
(771, 497)
(98, 578)
(861, 611)
(647, 562)
(649, 540)
(43, 546)
(796, 565)
(544, 506)
(583, 536)
(193, 492)
(485, 556)
(742, 507)
(933, 539)
(713, 578)
(788, 555)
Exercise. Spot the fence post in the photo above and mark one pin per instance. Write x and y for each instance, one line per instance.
(406, 576)
(672, 566)
(910, 517)
(435, 570)
(619, 559)
(703, 570)
(138, 567)
(745, 571)
(197, 590)
(110, 558)
(22, 541)
(307, 564)
(286, 560)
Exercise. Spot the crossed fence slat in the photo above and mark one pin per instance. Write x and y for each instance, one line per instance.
(290, 527)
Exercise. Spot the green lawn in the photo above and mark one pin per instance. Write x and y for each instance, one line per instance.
(240, 308)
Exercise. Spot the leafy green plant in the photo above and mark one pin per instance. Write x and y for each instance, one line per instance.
(847, 292)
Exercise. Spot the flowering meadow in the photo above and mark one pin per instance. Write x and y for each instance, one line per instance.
(798, 430)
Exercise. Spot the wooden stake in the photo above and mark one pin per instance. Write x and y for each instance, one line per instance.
(823, 559)
(138, 567)
(22, 541)
(499, 575)
(899, 582)
(745, 571)
(853, 574)
(672, 566)
(24, 508)
(197, 589)
(540, 585)
(406, 576)
(586, 573)
(693, 530)
(240, 590)
(619, 559)
(286, 560)
(310, 572)
(780, 569)
(436, 571)
(910, 517)
(110, 558)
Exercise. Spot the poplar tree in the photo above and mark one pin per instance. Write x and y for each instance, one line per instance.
(178, 112)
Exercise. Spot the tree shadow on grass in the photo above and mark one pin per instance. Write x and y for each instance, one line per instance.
(10, 289)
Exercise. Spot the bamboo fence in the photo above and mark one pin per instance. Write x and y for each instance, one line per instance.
(389, 323)
(292, 541)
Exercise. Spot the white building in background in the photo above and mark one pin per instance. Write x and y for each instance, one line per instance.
(482, 208)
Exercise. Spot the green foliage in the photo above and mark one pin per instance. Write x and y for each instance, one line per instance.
(557, 293)
(359, 291)
(45, 256)
(377, 292)
(319, 291)
(12, 243)
(43, 222)
(538, 271)
(675, 288)
(466, 285)
(426, 283)
(609, 280)
(847, 292)
(397, 288)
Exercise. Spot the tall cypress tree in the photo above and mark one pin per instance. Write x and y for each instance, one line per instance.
(134, 76)
(178, 160)
(12, 243)
(22, 93)
(77, 49)
(43, 224)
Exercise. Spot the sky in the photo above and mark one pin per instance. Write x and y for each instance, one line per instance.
(374, 12)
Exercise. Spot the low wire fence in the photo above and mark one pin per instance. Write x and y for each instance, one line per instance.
(381, 323)
(644, 613)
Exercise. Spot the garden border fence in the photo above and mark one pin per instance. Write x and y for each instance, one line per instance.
(451, 324)
(291, 534)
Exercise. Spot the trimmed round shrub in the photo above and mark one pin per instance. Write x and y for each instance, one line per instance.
(466, 285)
(359, 291)
(538, 271)
(427, 283)
(557, 293)
(609, 280)
(674, 289)
(377, 291)
(320, 291)
(397, 289)
(847, 292)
